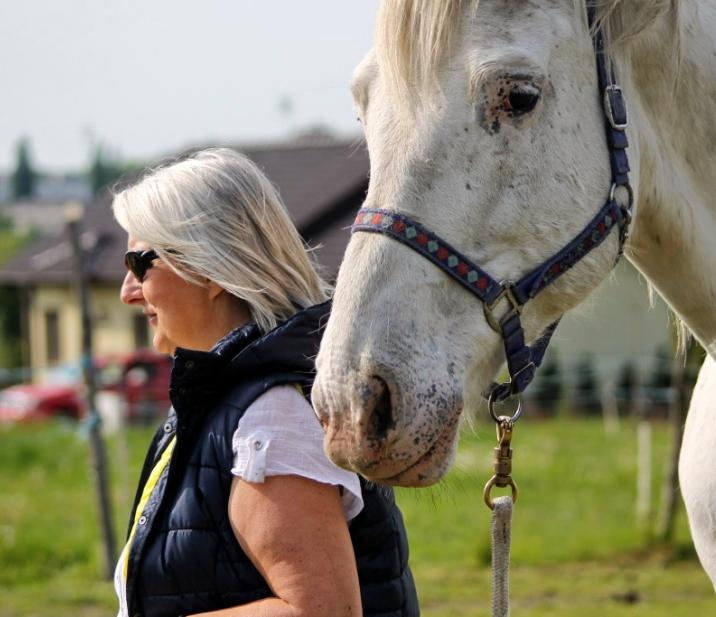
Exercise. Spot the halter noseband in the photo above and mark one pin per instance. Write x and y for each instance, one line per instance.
(522, 360)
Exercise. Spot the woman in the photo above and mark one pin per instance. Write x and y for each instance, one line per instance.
(238, 511)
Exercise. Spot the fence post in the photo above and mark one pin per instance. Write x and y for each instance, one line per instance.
(677, 416)
(643, 458)
(610, 408)
(73, 215)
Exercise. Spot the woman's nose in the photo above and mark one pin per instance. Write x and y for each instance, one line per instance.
(131, 290)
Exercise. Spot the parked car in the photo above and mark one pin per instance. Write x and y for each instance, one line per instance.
(140, 379)
(33, 402)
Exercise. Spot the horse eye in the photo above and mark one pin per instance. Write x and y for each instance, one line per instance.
(522, 100)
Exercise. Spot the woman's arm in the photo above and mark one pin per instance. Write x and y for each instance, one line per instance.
(294, 531)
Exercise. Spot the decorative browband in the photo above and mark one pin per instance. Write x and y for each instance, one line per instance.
(402, 228)
(405, 230)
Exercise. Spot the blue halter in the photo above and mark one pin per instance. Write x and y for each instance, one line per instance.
(523, 360)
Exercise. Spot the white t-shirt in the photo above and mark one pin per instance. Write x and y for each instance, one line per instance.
(280, 435)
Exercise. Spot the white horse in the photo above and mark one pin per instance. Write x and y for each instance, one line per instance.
(483, 123)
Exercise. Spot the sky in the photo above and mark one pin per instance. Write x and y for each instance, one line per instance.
(146, 78)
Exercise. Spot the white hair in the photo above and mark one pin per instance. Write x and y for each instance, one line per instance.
(414, 37)
(213, 214)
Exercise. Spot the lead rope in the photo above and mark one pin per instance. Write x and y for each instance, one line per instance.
(501, 536)
(501, 515)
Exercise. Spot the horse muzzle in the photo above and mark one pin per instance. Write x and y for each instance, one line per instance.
(371, 435)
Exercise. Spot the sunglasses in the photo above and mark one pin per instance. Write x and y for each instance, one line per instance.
(138, 262)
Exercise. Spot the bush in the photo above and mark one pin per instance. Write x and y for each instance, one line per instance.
(546, 393)
(658, 391)
(586, 398)
(626, 386)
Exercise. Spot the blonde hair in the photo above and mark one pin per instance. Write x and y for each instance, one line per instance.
(213, 214)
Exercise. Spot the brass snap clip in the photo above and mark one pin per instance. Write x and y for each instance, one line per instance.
(502, 461)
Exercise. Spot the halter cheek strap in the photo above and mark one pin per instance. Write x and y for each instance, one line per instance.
(523, 360)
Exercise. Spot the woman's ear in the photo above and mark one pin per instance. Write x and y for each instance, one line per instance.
(236, 306)
(215, 290)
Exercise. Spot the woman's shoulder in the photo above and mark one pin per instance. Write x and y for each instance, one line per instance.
(282, 407)
(280, 435)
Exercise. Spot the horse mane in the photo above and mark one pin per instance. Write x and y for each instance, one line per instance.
(624, 20)
(414, 37)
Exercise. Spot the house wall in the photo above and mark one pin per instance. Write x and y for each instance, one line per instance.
(113, 328)
(617, 323)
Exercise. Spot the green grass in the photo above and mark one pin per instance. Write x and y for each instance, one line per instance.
(577, 548)
(51, 560)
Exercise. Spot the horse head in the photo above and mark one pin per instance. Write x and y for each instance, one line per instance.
(484, 124)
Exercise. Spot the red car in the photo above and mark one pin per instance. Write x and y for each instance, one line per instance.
(141, 379)
(31, 402)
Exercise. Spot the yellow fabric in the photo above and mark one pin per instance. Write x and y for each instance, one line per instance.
(146, 493)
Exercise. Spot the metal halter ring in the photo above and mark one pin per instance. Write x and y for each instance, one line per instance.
(487, 497)
(629, 190)
(498, 418)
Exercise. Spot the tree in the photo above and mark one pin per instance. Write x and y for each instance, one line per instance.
(24, 177)
(586, 387)
(626, 386)
(547, 390)
(103, 170)
(659, 391)
(10, 330)
(11, 341)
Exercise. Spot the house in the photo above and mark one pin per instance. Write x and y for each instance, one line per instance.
(620, 324)
(44, 217)
(51, 188)
(322, 181)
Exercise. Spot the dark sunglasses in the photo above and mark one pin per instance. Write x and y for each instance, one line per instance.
(138, 262)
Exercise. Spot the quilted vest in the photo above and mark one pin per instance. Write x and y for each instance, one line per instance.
(184, 557)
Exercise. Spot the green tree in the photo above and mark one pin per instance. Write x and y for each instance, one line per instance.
(11, 343)
(586, 386)
(10, 329)
(24, 176)
(103, 170)
(547, 390)
(626, 385)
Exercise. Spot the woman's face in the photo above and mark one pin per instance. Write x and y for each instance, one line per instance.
(183, 314)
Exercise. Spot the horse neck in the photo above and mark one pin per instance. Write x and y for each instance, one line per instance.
(671, 88)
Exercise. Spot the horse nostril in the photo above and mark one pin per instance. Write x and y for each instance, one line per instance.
(379, 409)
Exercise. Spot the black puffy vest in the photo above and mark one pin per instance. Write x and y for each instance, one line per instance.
(185, 558)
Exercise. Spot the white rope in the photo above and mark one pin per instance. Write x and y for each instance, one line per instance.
(501, 537)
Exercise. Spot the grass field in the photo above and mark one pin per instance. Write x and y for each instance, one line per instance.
(577, 549)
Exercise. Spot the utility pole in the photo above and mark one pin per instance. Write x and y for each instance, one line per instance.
(73, 216)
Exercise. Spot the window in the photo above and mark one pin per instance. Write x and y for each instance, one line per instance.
(52, 336)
